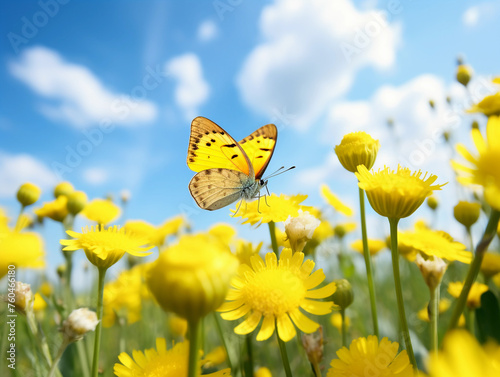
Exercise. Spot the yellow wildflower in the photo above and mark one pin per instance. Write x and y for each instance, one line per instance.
(340, 230)
(102, 211)
(28, 194)
(464, 74)
(245, 250)
(491, 264)
(275, 292)
(423, 314)
(159, 362)
(263, 372)
(63, 188)
(105, 246)
(334, 201)
(374, 246)
(178, 326)
(39, 303)
(56, 210)
(21, 249)
(396, 194)
(474, 297)
(172, 226)
(357, 148)
(489, 105)
(467, 213)
(223, 232)
(77, 201)
(366, 356)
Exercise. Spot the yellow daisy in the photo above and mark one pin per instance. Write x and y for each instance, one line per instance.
(277, 209)
(334, 201)
(396, 194)
(105, 246)
(366, 357)
(489, 105)
(474, 297)
(374, 246)
(21, 249)
(246, 249)
(172, 226)
(102, 211)
(56, 210)
(483, 167)
(276, 292)
(491, 264)
(357, 148)
(462, 356)
(159, 362)
(263, 372)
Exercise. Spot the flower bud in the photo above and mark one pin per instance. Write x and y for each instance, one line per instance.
(344, 295)
(432, 104)
(467, 213)
(61, 271)
(313, 345)
(339, 231)
(125, 196)
(24, 298)
(357, 148)
(63, 188)
(28, 194)
(475, 125)
(432, 270)
(432, 202)
(78, 323)
(464, 74)
(490, 265)
(192, 277)
(77, 201)
(300, 229)
(263, 372)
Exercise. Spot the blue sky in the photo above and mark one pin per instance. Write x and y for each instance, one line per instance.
(317, 70)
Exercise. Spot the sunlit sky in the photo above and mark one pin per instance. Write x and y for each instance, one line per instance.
(102, 94)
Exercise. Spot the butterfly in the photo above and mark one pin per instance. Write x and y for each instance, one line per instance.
(227, 170)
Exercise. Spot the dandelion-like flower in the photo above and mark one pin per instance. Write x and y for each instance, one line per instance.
(490, 265)
(334, 201)
(462, 356)
(78, 323)
(102, 211)
(357, 148)
(432, 270)
(56, 210)
(275, 292)
(300, 229)
(105, 246)
(474, 297)
(277, 210)
(396, 194)
(366, 356)
(21, 249)
(159, 362)
(483, 167)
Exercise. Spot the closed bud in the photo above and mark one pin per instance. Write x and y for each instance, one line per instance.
(63, 188)
(344, 295)
(475, 125)
(28, 194)
(432, 270)
(313, 345)
(24, 298)
(464, 74)
(357, 148)
(432, 202)
(300, 229)
(467, 213)
(432, 104)
(61, 271)
(77, 201)
(78, 323)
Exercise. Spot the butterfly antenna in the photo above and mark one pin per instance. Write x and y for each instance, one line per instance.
(278, 172)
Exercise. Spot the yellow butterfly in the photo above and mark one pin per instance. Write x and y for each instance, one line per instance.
(227, 170)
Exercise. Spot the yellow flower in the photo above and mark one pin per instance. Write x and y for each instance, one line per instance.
(178, 326)
(396, 194)
(489, 105)
(39, 303)
(432, 202)
(223, 232)
(467, 213)
(336, 321)
(334, 201)
(357, 148)
(215, 357)
(77, 201)
(444, 305)
(102, 211)
(462, 356)
(374, 246)
(105, 246)
(124, 296)
(191, 278)
(159, 362)
(63, 188)
(464, 74)
(245, 250)
(263, 372)
(491, 264)
(21, 249)
(433, 243)
(474, 297)
(28, 194)
(56, 210)
(366, 356)
(275, 291)
(341, 229)
(46, 289)
(142, 229)
(277, 210)
(483, 169)
(171, 227)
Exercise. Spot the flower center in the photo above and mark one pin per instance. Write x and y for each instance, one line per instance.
(274, 291)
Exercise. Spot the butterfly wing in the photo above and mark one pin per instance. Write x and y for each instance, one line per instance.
(259, 147)
(212, 147)
(216, 188)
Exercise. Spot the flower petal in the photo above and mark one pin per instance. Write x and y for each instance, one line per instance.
(322, 292)
(267, 328)
(286, 329)
(304, 323)
(249, 324)
(317, 307)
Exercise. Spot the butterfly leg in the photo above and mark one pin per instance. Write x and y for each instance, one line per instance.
(265, 196)
(241, 201)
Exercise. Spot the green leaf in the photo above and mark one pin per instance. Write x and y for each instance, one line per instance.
(488, 318)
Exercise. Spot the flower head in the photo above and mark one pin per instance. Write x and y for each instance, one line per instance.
(300, 229)
(246, 249)
(366, 356)
(102, 211)
(277, 210)
(105, 246)
(63, 188)
(39, 303)
(432, 270)
(159, 362)
(483, 168)
(24, 298)
(489, 105)
(334, 201)
(474, 297)
(396, 194)
(374, 246)
(78, 323)
(275, 292)
(357, 148)
(464, 74)
(462, 356)
(423, 314)
(467, 213)
(313, 345)
(77, 200)
(263, 372)
(191, 278)
(21, 249)
(28, 194)
(56, 210)
(490, 264)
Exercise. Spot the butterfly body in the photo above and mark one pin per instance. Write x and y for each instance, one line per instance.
(228, 170)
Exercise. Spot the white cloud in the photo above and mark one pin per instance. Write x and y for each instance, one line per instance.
(20, 168)
(310, 54)
(481, 12)
(191, 90)
(75, 95)
(95, 176)
(471, 16)
(207, 31)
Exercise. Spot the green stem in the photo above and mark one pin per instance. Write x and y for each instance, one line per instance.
(248, 361)
(68, 256)
(368, 262)
(469, 236)
(272, 232)
(222, 339)
(284, 356)
(399, 293)
(194, 349)
(82, 355)
(97, 340)
(489, 234)
(317, 370)
(344, 329)
(53, 369)
(433, 317)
